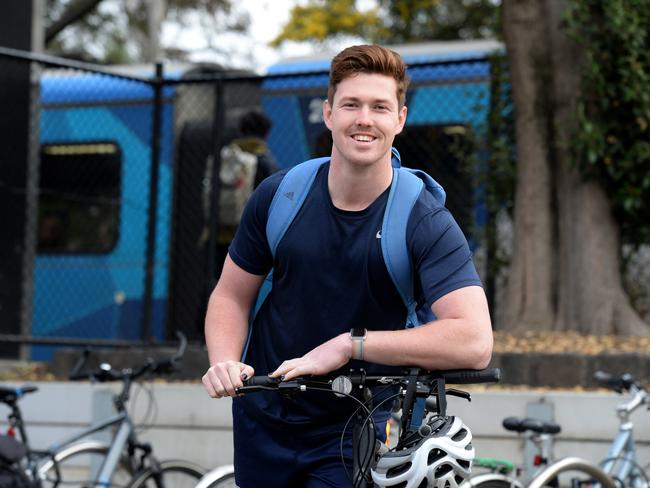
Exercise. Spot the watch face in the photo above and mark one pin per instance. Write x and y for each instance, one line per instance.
(358, 332)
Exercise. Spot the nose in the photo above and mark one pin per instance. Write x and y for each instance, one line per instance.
(363, 116)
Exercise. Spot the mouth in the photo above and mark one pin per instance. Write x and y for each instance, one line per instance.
(363, 137)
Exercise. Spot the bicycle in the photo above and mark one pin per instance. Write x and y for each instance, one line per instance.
(79, 462)
(438, 452)
(503, 473)
(620, 464)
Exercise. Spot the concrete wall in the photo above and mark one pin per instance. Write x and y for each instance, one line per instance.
(183, 422)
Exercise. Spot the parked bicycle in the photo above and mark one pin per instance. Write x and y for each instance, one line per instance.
(438, 452)
(620, 465)
(501, 473)
(621, 462)
(79, 461)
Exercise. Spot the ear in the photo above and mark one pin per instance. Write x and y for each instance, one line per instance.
(401, 119)
(327, 114)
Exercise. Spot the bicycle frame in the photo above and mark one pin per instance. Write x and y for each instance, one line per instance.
(119, 440)
(622, 453)
(620, 462)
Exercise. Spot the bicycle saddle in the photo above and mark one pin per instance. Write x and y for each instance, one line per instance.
(9, 394)
(517, 424)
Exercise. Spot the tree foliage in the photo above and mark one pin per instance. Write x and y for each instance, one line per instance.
(613, 140)
(117, 32)
(391, 21)
(323, 19)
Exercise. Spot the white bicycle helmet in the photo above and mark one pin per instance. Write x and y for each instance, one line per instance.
(441, 457)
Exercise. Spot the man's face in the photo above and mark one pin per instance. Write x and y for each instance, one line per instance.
(364, 118)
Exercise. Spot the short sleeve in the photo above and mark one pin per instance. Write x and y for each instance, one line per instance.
(250, 248)
(441, 256)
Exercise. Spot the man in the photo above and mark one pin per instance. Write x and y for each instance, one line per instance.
(254, 127)
(329, 276)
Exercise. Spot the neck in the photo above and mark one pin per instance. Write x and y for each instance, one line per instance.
(355, 187)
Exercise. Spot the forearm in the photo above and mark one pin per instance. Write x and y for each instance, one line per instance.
(439, 345)
(226, 328)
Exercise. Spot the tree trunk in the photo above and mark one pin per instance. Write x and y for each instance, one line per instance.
(565, 271)
(529, 301)
(591, 298)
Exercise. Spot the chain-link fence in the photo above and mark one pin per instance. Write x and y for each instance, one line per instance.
(127, 181)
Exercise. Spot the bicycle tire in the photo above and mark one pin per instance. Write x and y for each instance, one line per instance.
(226, 481)
(78, 466)
(576, 470)
(219, 477)
(175, 474)
(491, 484)
(491, 480)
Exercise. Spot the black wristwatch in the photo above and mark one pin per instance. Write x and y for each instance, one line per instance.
(357, 336)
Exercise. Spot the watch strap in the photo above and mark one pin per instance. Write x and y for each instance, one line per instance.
(357, 336)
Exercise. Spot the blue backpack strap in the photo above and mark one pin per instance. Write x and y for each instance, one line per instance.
(405, 189)
(287, 200)
(289, 197)
(404, 192)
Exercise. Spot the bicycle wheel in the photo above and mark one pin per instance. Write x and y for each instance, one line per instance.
(226, 481)
(572, 472)
(491, 480)
(219, 477)
(491, 484)
(173, 474)
(76, 466)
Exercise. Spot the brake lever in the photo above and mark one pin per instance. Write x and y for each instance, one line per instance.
(459, 393)
(79, 365)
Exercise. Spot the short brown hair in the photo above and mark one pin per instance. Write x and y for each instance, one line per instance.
(368, 58)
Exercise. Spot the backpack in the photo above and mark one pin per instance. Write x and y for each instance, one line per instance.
(405, 188)
(237, 175)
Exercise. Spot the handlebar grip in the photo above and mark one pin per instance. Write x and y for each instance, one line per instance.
(265, 381)
(468, 376)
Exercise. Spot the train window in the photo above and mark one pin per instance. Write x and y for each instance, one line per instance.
(79, 197)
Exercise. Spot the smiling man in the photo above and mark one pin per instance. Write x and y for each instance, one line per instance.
(330, 277)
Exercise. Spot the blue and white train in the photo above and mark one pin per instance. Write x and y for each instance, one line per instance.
(96, 143)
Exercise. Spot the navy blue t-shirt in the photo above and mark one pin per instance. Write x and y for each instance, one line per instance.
(329, 276)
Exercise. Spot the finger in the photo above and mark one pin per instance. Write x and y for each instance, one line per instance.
(285, 367)
(212, 384)
(247, 372)
(227, 372)
(234, 378)
(303, 369)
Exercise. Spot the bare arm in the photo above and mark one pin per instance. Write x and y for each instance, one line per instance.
(226, 329)
(460, 338)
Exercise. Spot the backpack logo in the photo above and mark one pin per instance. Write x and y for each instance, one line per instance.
(289, 195)
(378, 235)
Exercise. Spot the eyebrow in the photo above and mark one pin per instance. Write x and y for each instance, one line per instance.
(385, 101)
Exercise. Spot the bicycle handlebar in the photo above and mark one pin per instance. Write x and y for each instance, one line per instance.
(459, 377)
(617, 383)
(106, 373)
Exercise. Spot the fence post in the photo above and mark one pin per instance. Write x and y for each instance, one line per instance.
(20, 27)
(218, 126)
(156, 127)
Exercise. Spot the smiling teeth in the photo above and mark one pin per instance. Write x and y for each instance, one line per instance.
(363, 138)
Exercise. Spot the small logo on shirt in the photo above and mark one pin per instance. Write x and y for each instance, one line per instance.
(289, 195)
(378, 235)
